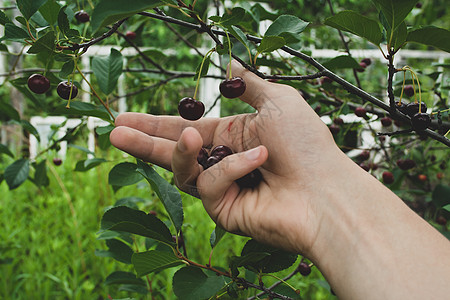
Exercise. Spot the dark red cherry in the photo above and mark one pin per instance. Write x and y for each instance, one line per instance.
(408, 90)
(361, 112)
(57, 161)
(418, 5)
(202, 157)
(413, 108)
(64, 90)
(334, 129)
(131, 35)
(386, 121)
(233, 87)
(401, 106)
(250, 180)
(82, 16)
(420, 121)
(191, 109)
(221, 151)
(38, 83)
(362, 68)
(388, 177)
(304, 269)
(367, 61)
(364, 155)
(406, 164)
(365, 167)
(211, 161)
(338, 121)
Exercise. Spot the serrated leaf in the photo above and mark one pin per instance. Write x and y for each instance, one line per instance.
(17, 172)
(107, 70)
(117, 250)
(341, 62)
(431, 36)
(85, 165)
(104, 129)
(40, 175)
(4, 18)
(287, 26)
(124, 174)
(50, 11)
(357, 24)
(153, 261)
(441, 195)
(234, 17)
(67, 69)
(395, 11)
(84, 109)
(120, 277)
(277, 259)
(131, 202)
(399, 37)
(192, 283)
(63, 21)
(8, 112)
(216, 236)
(29, 7)
(107, 12)
(169, 195)
(14, 33)
(46, 43)
(239, 35)
(122, 218)
(270, 43)
(5, 150)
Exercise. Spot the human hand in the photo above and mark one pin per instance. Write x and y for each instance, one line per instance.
(285, 139)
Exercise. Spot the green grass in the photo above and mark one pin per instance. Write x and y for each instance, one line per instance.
(48, 238)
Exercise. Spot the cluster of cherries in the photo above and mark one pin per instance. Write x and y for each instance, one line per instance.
(218, 153)
(40, 84)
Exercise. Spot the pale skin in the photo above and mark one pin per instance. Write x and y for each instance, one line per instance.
(313, 200)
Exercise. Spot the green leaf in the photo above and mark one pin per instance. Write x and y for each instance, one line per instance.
(29, 7)
(120, 277)
(441, 195)
(447, 207)
(40, 175)
(122, 218)
(85, 165)
(395, 11)
(270, 43)
(277, 259)
(192, 283)
(431, 36)
(17, 172)
(63, 21)
(67, 69)
(4, 149)
(239, 35)
(400, 35)
(4, 48)
(234, 17)
(30, 128)
(248, 260)
(357, 24)
(46, 43)
(14, 33)
(341, 62)
(107, 70)
(109, 11)
(84, 109)
(216, 236)
(153, 261)
(4, 18)
(124, 174)
(50, 11)
(117, 250)
(104, 129)
(168, 194)
(8, 112)
(288, 27)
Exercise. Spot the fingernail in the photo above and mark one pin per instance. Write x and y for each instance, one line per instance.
(181, 146)
(253, 154)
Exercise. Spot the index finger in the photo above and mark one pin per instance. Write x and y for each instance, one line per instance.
(167, 127)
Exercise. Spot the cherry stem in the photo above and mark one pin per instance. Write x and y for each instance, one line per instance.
(229, 50)
(208, 54)
(95, 93)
